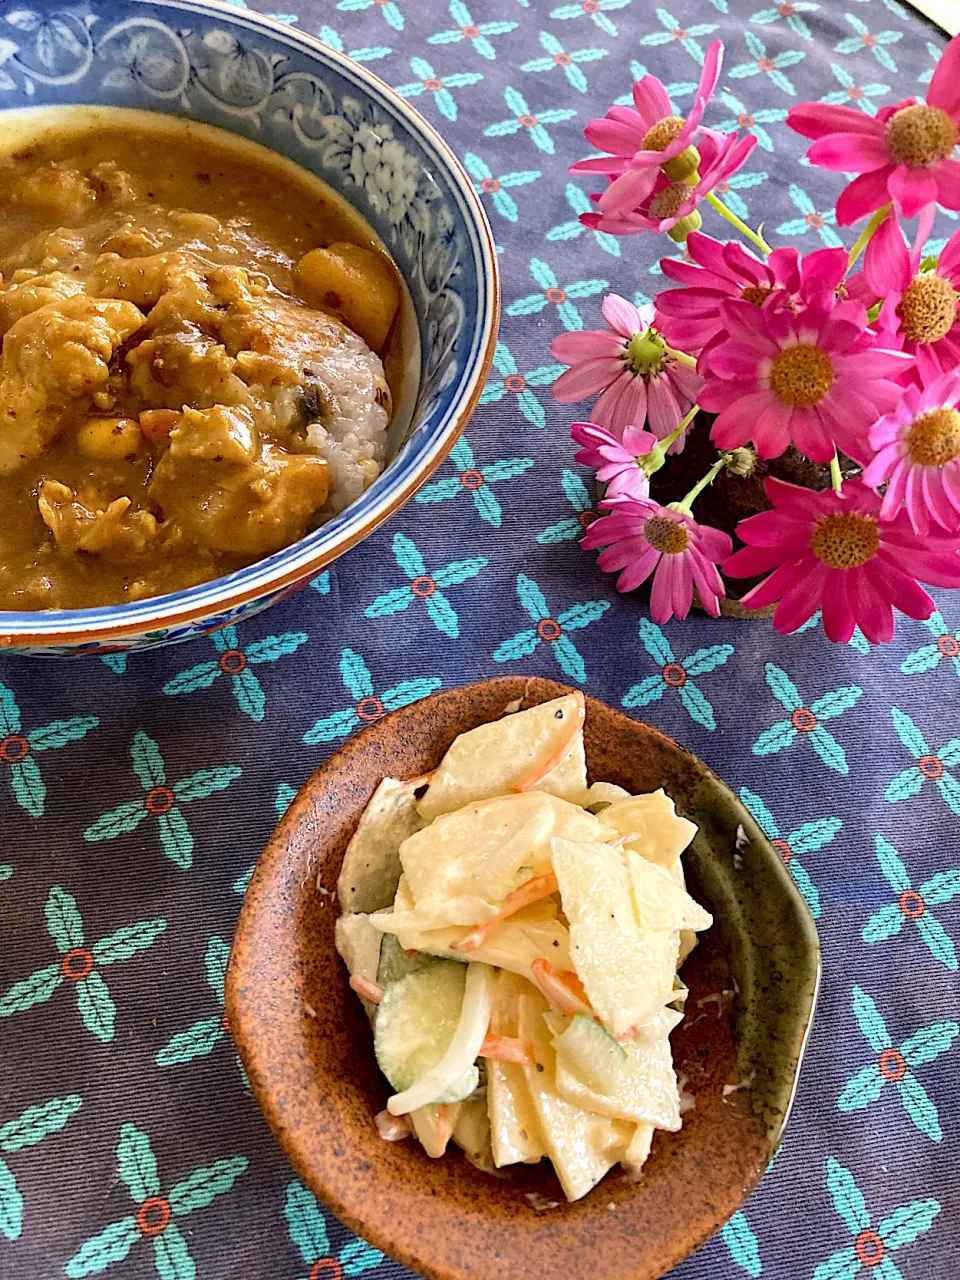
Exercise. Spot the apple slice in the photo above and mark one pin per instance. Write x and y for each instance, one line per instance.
(514, 754)
(371, 864)
(653, 829)
(514, 1126)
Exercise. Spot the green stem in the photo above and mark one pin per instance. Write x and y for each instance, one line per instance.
(682, 357)
(657, 456)
(866, 235)
(753, 236)
(686, 506)
(835, 477)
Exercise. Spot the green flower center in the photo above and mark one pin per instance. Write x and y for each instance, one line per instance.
(646, 353)
(845, 541)
(920, 135)
(934, 438)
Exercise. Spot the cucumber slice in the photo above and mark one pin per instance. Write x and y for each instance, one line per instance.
(416, 1021)
(394, 964)
(592, 1054)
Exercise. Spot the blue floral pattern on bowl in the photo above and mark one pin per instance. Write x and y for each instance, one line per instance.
(237, 70)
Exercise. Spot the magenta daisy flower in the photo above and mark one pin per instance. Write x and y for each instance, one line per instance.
(919, 312)
(629, 364)
(918, 456)
(668, 201)
(832, 551)
(618, 463)
(640, 141)
(640, 537)
(815, 380)
(903, 154)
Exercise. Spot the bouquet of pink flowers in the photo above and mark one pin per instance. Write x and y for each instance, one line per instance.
(849, 364)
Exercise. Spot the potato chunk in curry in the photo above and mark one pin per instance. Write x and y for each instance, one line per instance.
(191, 373)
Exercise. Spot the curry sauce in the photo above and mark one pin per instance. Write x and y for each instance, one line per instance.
(198, 352)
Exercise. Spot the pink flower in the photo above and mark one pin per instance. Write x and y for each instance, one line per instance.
(667, 202)
(617, 464)
(641, 537)
(640, 141)
(630, 365)
(814, 380)
(918, 456)
(833, 552)
(904, 153)
(919, 313)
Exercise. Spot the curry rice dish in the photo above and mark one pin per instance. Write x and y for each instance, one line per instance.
(200, 353)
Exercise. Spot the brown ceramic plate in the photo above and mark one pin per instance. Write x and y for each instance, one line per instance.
(307, 1046)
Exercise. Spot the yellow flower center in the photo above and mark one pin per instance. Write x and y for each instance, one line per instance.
(801, 375)
(928, 308)
(665, 131)
(920, 135)
(757, 294)
(934, 438)
(845, 541)
(666, 202)
(666, 535)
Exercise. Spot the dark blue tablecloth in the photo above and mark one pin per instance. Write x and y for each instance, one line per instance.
(118, 1081)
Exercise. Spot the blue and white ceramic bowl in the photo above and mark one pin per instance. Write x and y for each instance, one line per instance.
(238, 70)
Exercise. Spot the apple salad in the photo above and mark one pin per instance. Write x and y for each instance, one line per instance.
(515, 934)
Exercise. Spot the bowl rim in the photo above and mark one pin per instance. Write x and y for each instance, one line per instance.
(119, 622)
(259, 1054)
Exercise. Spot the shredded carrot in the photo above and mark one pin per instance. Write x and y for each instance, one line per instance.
(562, 988)
(392, 1128)
(531, 891)
(540, 771)
(444, 1124)
(424, 780)
(364, 987)
(507, 1049)
(156, 424)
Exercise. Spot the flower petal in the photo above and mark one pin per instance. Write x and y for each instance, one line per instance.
(912, 189)
(622, 316)
(817, 120)
(864, 195)
(850, 152)
(585, 379)
(944, 90)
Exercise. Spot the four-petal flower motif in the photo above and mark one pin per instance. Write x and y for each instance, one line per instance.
(156, 1214)
(367, 705)
(894, 1065)
(519, 384)
(931, 766)
(235, 660)
(851, 92)
(811, 219)
(161, 801)
(307, 1225)
(806, 721)
(485, 184)
(864, 39)
(558, 57)
(871, 1248)
(425, 586)
(389, 8)
(946, 644)
(476, 34)
(914, 904)
(571, 230)
(430, 82)
(596, 10)
(686, 37)
(26, 1130)
(79, 965)
(751, 121)
(551, 630)
(678, 675)
(204, 1035)
(808, 837)
(524, 118)
(789, 11)
(477, 481)
(552, 293)
(368, 54)
(573, 526)
(763, 64)
(18, 749)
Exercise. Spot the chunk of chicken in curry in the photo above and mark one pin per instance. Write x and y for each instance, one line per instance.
(199, 358)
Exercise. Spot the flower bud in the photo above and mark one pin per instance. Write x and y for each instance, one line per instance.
(741, 462)
(683, 166)
(691, 222)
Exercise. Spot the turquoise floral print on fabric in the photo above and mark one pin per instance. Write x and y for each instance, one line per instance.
(205, 1034)
(914, 905)
(26, 1130)
(596, 10)
(931, 766)
(864, 39)
(763, 64)
(369, 54)
(688, 38)
(806, 720)
(553, 294)
(574, 526)
(894, 1065)
(367, 705)
(390, 10)
(438, 88)
(18, 749)
(558, 58)
(235, 660)
(677, 675)
(574, 228)
(79, 965)
(525, 120)
(477, 35)
(513, 382)
(871, 1248)
(156, 1215)
(550, 630)
(945, 648)
(161, 801)
(425, 587)
(861, 95)
(476, 481)
(790, 14)
(739, 1238)
(307, 1224)
(807, 838)
(498, 188)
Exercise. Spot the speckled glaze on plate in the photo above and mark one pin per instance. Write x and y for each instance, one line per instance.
(307, 1046)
